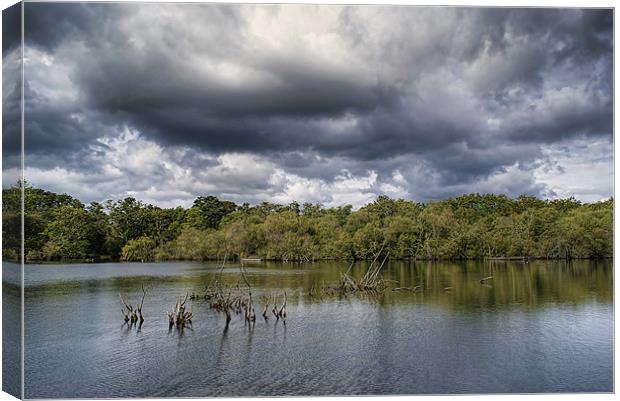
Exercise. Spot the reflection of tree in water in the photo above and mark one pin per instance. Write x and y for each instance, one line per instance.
(513, 284)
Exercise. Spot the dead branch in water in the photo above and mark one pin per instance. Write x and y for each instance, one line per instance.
(265, 309)
(350, 266)
(274, 310)
(139, 308)
(236, 300)
(250, 315)
(179, 316)
(133, 314)
(282, 312)
(372, 280)
(128, 311)
(370, 269)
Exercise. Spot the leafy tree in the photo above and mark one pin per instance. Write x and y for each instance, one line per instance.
(139, 250)
(39, 211)
(207, 212)
(68, 233)
(98, 223)
(11, 222)
(367, 241)
(465, 227)
(126, 223)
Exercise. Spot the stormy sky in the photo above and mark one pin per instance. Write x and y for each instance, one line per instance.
(329, 104)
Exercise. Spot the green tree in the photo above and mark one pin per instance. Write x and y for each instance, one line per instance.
(98, 222)
(141, 249)
(68, 233)
(207, 212)
(11, 222)
(465, 227)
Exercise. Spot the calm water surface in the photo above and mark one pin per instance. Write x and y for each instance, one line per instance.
(538, 327)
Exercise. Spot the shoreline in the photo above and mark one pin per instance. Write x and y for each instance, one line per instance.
(525, 259)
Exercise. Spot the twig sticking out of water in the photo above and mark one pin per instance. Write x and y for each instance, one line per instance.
(236, 301)
(371, 282)
(250, 315)
(274, 310)
(133, 314)
(371, 269)
(282, 312)
(265, 309)
(179, 316)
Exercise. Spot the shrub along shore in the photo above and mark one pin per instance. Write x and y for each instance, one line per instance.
(59, 227)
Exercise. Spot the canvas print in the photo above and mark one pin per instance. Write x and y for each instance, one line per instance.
(218, 199)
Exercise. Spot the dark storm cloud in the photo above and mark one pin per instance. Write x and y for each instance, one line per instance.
(11, 28)
(49, 24)
(463, 92)
(146, 87)
(594, 119)
(11, 93)
(11, 110)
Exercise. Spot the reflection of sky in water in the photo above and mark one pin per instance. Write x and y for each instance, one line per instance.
(11, 273)
(540, 327)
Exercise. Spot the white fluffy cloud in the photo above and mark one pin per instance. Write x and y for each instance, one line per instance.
(581, 168)
(130, 165)
(127, 164)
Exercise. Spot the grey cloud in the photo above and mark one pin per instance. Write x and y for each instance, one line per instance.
(465, 92)
(48, 25)
(11, 93)
(11, 28)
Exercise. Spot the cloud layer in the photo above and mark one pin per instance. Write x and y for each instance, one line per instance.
(325, 104)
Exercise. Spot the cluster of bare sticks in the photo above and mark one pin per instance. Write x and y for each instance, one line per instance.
(180, 316)
(229, 300)
(371, 282)
(133, 314)
(278, 312)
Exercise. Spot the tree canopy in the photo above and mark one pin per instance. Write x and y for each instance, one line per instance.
(59, 227)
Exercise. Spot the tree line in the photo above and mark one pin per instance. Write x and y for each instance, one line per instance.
(60, 227)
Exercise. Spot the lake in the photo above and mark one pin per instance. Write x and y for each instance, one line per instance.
(534, 327)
